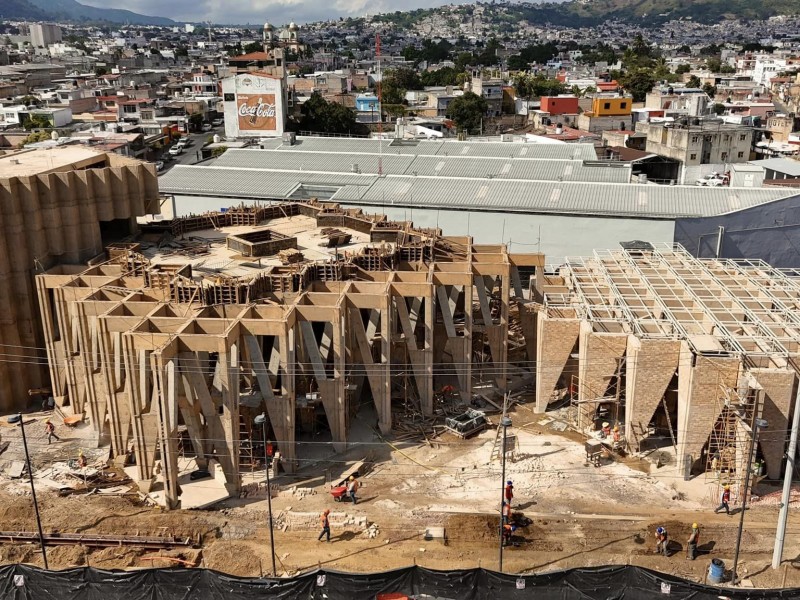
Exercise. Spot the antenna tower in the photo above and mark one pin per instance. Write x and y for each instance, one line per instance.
(380, 104)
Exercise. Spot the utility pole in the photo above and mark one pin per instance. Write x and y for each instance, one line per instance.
(780, 533)
(756, 425)
(262, 420)
(18, 418)
(505, 423)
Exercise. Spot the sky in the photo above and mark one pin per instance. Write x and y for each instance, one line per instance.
(258, 11)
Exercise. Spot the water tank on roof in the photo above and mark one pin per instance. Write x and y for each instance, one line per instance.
(670, 90)
(217, 139)
(54, 135)
(559, 129)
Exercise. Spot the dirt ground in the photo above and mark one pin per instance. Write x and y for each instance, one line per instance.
(581, 516)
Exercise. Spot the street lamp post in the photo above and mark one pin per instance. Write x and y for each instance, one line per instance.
(505, 423)
(262, 420)
(757, 424)
(13, 419)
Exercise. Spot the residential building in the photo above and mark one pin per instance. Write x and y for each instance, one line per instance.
(491, 90)
(709, 145)
(676, 101)
(255, 105)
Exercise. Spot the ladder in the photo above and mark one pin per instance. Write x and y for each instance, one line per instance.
(498, 442)
(245, 444)
(669, 424)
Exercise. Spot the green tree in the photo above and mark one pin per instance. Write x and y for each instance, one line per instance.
(718, 108)
(253, 47)
(196, 121)
(638, 82)
(713, 64)
(710, 89)
(467, 111)
(694, 82)
(218, 151)
(443, 76)
(37, 122)
(319, 115)
(683, 68)
(639, 55)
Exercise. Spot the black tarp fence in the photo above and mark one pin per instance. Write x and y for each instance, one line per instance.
(22, 582)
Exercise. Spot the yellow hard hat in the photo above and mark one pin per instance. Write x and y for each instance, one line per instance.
(351, 478)
(694, 525)
(80, 452)
(727, 487)
(616, 427)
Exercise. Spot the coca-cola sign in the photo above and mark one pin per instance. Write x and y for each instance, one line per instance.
(256, 112)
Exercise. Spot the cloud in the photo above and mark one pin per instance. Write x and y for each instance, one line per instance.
(257, 11)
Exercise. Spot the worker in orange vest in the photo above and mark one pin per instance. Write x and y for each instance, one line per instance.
(509, 492)
(50, 430)
(506, 513)
(326, 525)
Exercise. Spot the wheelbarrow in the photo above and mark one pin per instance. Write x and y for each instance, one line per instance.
(339, 493)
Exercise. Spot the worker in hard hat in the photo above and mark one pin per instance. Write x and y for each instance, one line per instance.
(605, 432)
(50, 430)
(326, 525)
(81, 460)
(662, 541)
(509, 492)
(615, 433)
(691, 543)
(507, 514)
(725, 498)
(352, 488)
(508, 531)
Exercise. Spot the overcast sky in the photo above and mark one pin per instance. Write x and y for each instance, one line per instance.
(259, 11)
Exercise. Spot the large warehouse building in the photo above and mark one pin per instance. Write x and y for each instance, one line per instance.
(557, 199)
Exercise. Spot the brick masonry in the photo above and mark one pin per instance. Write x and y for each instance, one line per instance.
(700, 397)
(778, 386)
(649, 368)
(555, 340)
(600, 356)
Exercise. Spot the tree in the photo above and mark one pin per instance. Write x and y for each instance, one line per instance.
(467, 111)
(683, 68)
(533, 86)
(319, 115)
(694, 82)
(196, 121)
(710, 89)
(218, 151)
(713, 64)
(253, 47)
(37, 122)
(638, 82)
(718, 108)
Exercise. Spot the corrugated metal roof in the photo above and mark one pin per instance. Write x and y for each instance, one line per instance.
(245, 183)
(434, 166)
(781, 165)
(609, 199)
(446, 147)
(338, 162)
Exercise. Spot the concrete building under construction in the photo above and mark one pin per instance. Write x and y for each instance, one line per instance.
(685, 350)
(179, 336)
(57, 206)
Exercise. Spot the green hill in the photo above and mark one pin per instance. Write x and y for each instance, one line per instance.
(70, 10)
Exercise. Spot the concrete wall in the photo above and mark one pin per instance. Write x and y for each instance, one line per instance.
(769, 232)
(557, 236)
(46, 220)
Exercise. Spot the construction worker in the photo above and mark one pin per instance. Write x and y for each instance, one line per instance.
(508, 531)
(662, 541)
(691, 543)
(605, 432)
(506, 512)
(352, 488)
(509, 492)
(81, 460)
(724, 500)
(616, 434)
(50, 430)
(270, 450)
(326, 525)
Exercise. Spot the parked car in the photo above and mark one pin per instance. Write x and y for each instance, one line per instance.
(176, 150)
(713, 180)
(217, 122)
(183, 142)
(159, 165)
(207, 127)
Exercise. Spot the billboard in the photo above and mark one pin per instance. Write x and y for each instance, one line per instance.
(256, 112)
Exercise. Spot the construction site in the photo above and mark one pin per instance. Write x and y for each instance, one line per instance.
(390, 352)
